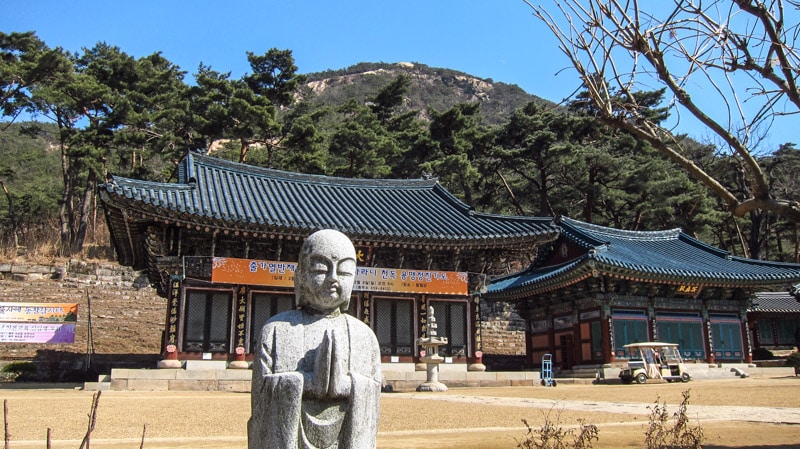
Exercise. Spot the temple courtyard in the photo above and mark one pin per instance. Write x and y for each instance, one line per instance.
(753, 412)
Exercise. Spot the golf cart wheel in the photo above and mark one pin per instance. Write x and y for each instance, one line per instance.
(543, 382)
(685, 377)
(641, 378)
(554, 382)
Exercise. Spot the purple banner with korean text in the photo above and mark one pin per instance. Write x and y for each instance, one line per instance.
(38, 322)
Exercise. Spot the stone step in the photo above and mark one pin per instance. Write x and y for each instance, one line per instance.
(576, 374)
(97, 386)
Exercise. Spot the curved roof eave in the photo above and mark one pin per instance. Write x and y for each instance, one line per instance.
(788, 275)
(536, 281)
(545, 279)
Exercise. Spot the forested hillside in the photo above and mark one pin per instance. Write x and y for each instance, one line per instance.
(429, 88)
(31, 184)
(496, 147)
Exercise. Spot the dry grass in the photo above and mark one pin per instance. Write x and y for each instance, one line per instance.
(218, 420)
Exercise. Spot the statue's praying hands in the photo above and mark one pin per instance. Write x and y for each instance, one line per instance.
(330, 377)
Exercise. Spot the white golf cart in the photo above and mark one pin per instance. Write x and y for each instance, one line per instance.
(653, 360)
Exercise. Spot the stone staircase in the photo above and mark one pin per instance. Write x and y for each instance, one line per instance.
(103, 383)
(578, 374)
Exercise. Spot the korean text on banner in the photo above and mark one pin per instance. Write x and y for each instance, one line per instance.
(373, 279)
(38, 322)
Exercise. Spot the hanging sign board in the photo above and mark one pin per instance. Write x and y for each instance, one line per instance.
(411, 281)
(37, 322)
(372, 279)
(37, 332)
(690, 290)
(226, 270)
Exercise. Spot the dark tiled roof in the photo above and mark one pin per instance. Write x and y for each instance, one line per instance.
(775, 302)
(222, 194)
(658, 256)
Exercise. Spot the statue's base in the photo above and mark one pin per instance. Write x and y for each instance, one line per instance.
(476, 367)
(238, 364)
(169, 364)
(432, 386)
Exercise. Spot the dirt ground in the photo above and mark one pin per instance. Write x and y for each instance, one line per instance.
(733, 413)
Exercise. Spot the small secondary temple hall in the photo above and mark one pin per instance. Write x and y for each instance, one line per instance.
(596, 289)
(221, 245)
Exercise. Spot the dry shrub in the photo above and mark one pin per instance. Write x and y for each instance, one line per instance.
(552, 435)
(660, 435)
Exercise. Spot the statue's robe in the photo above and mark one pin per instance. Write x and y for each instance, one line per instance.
(285, 414)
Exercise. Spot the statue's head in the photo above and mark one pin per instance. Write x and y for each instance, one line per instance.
(325, 272)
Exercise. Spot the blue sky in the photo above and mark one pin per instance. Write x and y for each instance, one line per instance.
(498, 39)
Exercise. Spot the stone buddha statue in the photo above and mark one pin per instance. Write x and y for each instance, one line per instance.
(317, 376)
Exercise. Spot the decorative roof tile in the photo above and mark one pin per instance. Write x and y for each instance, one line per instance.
(775, 302)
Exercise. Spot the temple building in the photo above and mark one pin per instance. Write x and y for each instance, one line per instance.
(221, 245)
(595, 289)
(775, 320)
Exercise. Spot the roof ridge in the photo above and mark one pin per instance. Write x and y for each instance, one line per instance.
(253, 170)
(594, 231)
(114, 179)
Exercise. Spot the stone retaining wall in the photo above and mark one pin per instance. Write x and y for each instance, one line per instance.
(120, 317)
(502, 329)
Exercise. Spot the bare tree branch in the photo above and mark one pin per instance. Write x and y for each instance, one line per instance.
(742, 50)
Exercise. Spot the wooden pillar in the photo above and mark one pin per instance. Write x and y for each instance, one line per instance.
(475, 352)
(170, 346)
(709, 347)
(747, 344)
(237, 360)
(551, 338)
(422, 322)
(606, 331)
(577, 338)
(651, 320)
(240, 318)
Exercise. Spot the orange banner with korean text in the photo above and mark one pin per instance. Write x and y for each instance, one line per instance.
(226, 270)
(411, 281)
(38, 312)
(281, 274)
(38, 322)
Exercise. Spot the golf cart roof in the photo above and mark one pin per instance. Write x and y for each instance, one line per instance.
(651, 344)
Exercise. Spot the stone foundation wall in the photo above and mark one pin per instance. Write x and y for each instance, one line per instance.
(502, 329)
